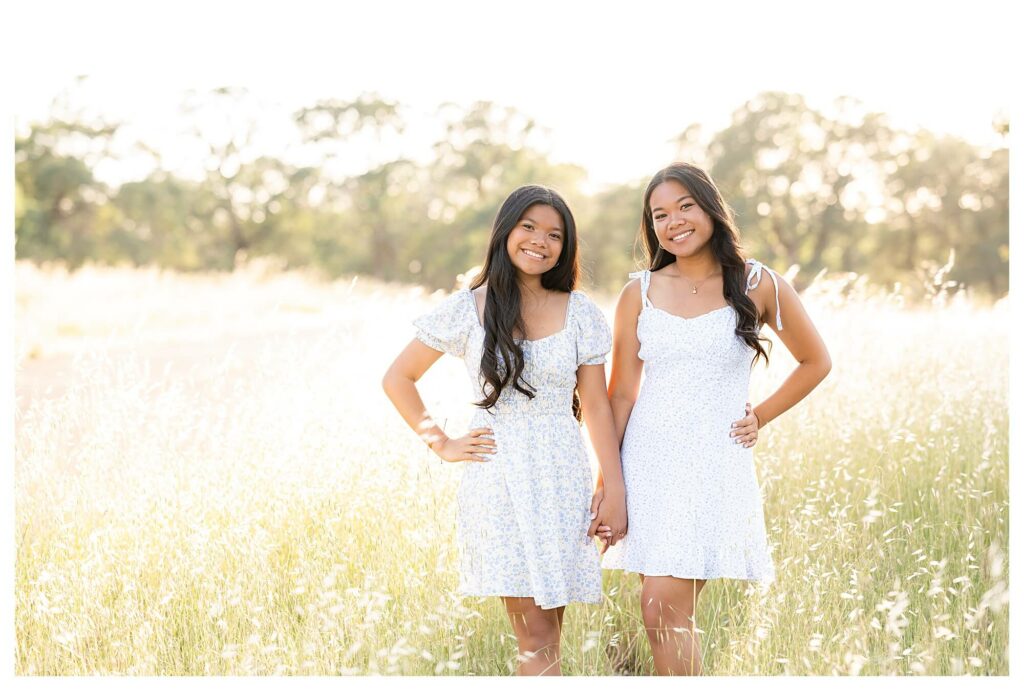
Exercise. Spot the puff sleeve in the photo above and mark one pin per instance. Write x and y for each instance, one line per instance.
(593, 336)
(447, 326)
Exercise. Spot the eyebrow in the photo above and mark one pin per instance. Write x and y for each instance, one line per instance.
(685, 196)
(527, 218)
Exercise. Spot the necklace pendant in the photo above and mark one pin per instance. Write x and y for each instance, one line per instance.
(695, 290)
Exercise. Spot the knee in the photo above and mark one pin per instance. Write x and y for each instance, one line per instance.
(660, 613)
(539, 635)
(653, 611)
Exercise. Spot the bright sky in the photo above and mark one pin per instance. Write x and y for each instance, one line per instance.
(613, 85)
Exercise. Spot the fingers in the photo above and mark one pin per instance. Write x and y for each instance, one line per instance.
(609, 536)
(747, 436)
(744, 430)
(475, 447)
(748, 421)
(741, 433)
(592, 530)
(483, 446)
(595, 504)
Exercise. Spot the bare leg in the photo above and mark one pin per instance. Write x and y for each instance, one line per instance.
(538, 632)
(668, 606)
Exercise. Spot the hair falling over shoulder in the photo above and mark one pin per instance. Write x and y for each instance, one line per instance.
(725, 244)
(502, 362)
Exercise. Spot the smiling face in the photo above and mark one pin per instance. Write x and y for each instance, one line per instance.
(682, 227)
(535, 243)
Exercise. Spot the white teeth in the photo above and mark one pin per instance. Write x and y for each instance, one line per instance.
(682, 235)
(533, 254)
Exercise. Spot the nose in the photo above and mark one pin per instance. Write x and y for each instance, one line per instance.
(538, 240)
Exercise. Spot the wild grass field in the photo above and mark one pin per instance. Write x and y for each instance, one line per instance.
(209, 480)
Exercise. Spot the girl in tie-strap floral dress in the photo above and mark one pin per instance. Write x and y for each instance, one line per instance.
(691, 325)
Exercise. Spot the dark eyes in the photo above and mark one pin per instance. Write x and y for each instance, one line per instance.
(684, 207)
(553, 236)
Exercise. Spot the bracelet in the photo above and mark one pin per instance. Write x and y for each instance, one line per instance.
(439, 438)
(430, 445)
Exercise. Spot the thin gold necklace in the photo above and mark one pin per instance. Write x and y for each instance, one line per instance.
(699, 283)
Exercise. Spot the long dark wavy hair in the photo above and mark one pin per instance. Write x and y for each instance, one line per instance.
(502, 362)
(725, 244)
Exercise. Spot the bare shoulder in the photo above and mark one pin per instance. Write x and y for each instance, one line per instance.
(629, 298)
(630, 291)
(758, 278)
(775, 299)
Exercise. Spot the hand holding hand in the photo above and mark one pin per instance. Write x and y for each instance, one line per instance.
(611, 521)
(595, 506)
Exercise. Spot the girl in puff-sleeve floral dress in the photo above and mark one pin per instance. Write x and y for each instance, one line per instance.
(530, 342)
(523, 517)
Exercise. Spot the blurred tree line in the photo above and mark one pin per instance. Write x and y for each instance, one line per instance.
(842, 191)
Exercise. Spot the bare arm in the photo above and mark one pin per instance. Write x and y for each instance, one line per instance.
(598, 415)
(400, 386)
(622, 393)
(800, 338)
(609, 502)
(627, 366)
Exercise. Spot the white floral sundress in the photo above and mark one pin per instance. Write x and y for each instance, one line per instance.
(692, 497)
(523, 516)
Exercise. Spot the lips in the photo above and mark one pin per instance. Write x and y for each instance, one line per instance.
(536, 256)
(681, 236)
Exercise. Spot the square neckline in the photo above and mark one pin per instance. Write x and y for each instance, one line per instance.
(753, 281)
(647, 304)
(651, 306)
(565, 323)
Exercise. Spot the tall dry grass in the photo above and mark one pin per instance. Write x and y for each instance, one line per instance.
(259, 508)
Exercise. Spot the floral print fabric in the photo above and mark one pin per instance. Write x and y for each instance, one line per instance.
(692, 496)
(523, 516)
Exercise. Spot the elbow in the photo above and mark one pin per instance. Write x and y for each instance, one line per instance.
(816, 368)
(394, 380)
(826, 365)
(388, 381)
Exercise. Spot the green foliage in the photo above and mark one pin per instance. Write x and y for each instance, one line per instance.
(842, 191)
(608, 224)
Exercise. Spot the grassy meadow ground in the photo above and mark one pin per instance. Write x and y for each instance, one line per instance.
(209, 480)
